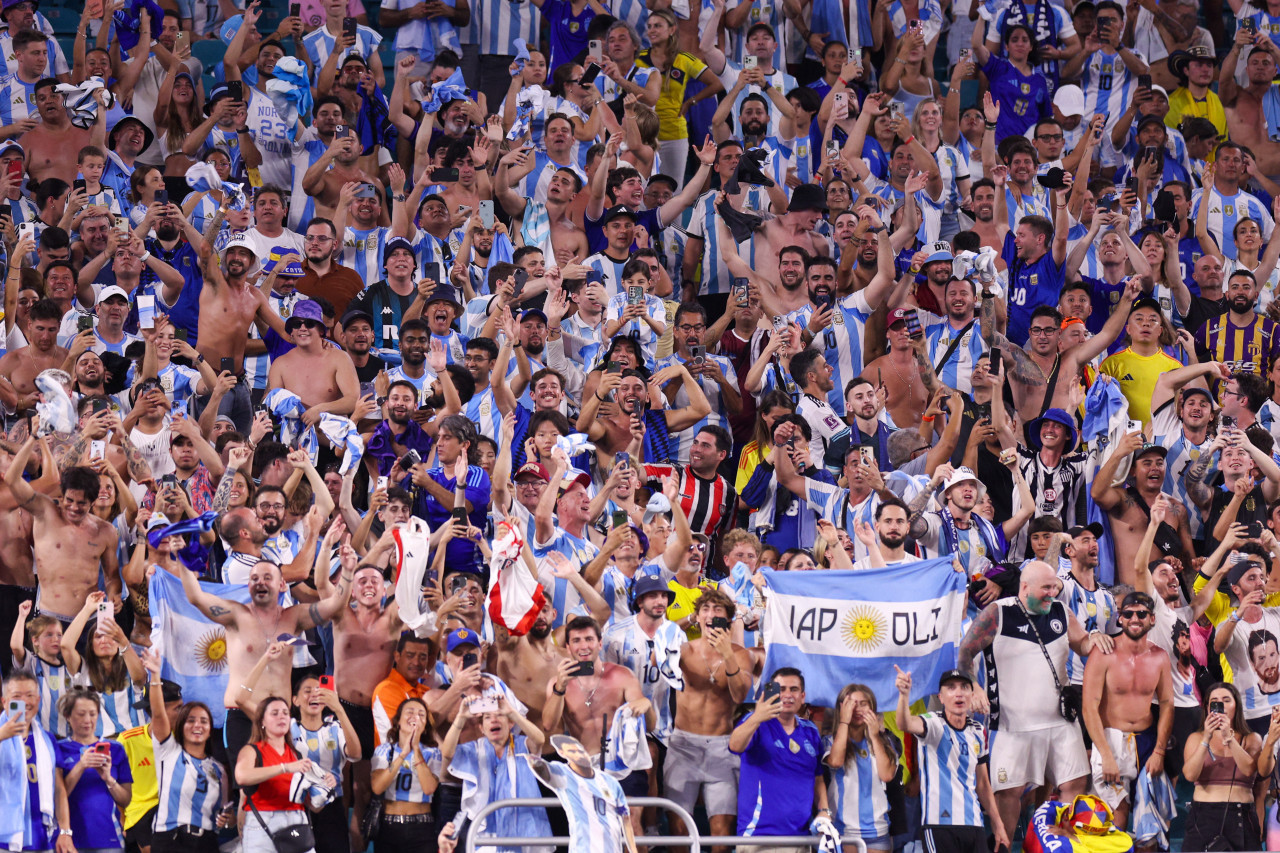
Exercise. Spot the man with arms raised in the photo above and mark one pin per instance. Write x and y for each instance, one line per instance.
(1119, 690)
(323, 377)
(71, 545)
(252, 627)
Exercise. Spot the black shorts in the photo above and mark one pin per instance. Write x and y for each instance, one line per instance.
(361, 717)
(139, 835)
(636, 784)
(954, 839)
(185, 839)
(236, 732)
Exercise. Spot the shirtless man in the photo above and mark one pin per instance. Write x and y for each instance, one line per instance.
(1119, 690)
(1129, 505)
(717, 676)
(337, 166)
(321, 375)
(583, 705)
(228, 306)
(568, 240)
(53, 146)
(613, 430)
(251, 627)
(904, 372)
(20, 367)
(71, 545)
(793, 228)
(1246, 121)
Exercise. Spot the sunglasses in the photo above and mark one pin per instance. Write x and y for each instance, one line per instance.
(1135, 614)
(698, 547)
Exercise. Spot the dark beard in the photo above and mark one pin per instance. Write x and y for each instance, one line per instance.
(534, 350)
(435, 401)
(892, 543)
(167, 232)
(540, 633)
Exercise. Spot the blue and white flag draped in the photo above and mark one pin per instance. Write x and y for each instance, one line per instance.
(128, 23)
(194, 650)
(56, 412)
(202, 523)
(1106, 420)
(1154, 808)
(290, 91)
(843, 626)
(203, 178)
(81, 106)
(288, 408)
(341, 432)
(454, 88)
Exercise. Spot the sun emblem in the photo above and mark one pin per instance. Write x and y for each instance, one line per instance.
(863, 629)
(211, 651)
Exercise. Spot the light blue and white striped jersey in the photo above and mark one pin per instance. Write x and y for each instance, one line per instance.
(954, 167)
(1108, 88)
(106, 197)
(17, 99)
(483, 411)
(302, 207)
(859, 807)
(719, 414)
(1034, 203)
(779, 79)
(52, 681)
(1096, 610)
(424, 36)
(362, 251)
(192, 790)
(1090, 266)
(715, 276)
(56, 65)
(948, 766)
(534, 185)
(640, 76)
(115, 707)
(615, 587)
(319, 44)
(762, 11)
(203, 212)
(653, 307)
(326, 747)
(1166, 431)
(596, 809)
(930, 209)
(501, 22)
(832, 503)
(957, 373)
(1226, 211)
(847, 331)
(581, 551)
(406, 788)
(422, 383)
(626, 644)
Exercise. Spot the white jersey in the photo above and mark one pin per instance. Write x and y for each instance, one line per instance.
(1166, 431)
(192, 790)
(115, 708)
(830, 434)
(859, 805)
(1226, 210)
(626, 644)
(52, 681)
(711, 388)
(326, 747)
(595, 808)
(949, 759)
(406, 788)
(1095, 609)
(1254, 655)
(1029, 699)
(271, 135)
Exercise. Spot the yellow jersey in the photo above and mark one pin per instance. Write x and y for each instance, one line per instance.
(1137, 375)
(685, 604)
(685, 68)
(142, 762)
(1182, 104)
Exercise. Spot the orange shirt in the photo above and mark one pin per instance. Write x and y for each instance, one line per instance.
(387, 697)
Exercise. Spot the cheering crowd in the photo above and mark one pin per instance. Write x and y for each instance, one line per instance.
(402, 405)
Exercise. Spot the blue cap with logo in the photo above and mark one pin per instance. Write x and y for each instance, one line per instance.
(462, 637)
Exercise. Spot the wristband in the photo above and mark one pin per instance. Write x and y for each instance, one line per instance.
(842, 82)
(927, 419)
(144, 257)
(991, 125)
(910, 139)
(240, 130)
(558, 692)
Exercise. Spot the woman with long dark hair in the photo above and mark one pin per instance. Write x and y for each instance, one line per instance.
(1221, 760)
(406, 772)
(863, 758)
(109, 665)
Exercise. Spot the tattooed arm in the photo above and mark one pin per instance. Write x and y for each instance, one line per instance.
(135, 463)
(920, 527)
(322, 611)
(927, 376)
(1021, 367)
(216, 609)
(1197, 489)
(978, 637)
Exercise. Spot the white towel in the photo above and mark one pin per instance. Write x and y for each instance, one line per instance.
(57, 414)
(412, 552)
(627, 750)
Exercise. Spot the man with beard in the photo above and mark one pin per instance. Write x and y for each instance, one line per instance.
(954, 360)
(473, 265)
(1248, 636)
(1264, 657)
(412, 661)
(112, 309)
(1035, 252)
(984, 214)
(321, 276)
(635, 399)
(1242, 338)
(1129, 505)
(54, 144)
(414, 339)
(322, 377)
(714, 374)
(887, 547)
(792, 228)
(254, 626)
(1181, 414)
(128, 259)
(20, 367)
(72, 547)
(268, 229)
(357, 342)
(228, 306)
(862, 408)
(337, 167)
(1035, 743)
(1119, 690)
(935, 263)
(1091, 603)
(956, 529)
(905, 372)
(717, 676)
(397, 433)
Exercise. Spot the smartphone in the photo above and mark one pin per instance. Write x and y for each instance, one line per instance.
(483, 705)
(410, 459)
(868, 455)
(469, 660)
(584, 668)
(1133, 426)
(460, 515)
(382, 483)
(182, 41)
(613, 367)
(236, 90)
(697, 356)
(966, 54)
(341, 131)
(719, 623)
(621, 458)
(18, 708)
(162, 196)
(1131, 184)
(749, 62)
(914, 24)
(635, 294)
(856, 59)
(97, 449)
(619, 518)
(349, 27)
(840, 98)
(100, 405)
(771, 689)
(914, 330)
(589, 75)
(79, 184)
(521, 276)
(994, 367)
(486, 214)
(146, 311)
(445, 176)
(1249, 26)
(102, 748)
(833, 148)
(25, 230)
(1217, 708)
(741, 290)
(226, 365)
(1144, 81)
(1227, 422)
(105, 615)
(295, 10)
(326, 682)
(897, 111)
(457, 583)
(84, 322)
(595, 50)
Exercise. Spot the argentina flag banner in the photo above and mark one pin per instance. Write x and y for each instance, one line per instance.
(841, 627)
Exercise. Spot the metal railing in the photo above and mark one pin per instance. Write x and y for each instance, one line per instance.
(694, 840)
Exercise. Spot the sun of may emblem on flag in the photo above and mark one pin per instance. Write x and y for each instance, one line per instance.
(863, 628)
(211, 650)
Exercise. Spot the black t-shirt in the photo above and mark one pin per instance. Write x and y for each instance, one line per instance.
(1202, 311)
(1253, 512)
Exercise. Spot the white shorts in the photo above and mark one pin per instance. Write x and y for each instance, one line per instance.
(1125, 749)
(1055, 754)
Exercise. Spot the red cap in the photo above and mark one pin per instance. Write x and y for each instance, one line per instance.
(898, 315)
(535, 468)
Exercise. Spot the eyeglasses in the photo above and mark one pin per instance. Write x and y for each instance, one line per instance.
(1049, 137)
(317, 238)
(270, 506)
(1046, 331)
(698, 547)
(1135, 614)
(685, 327)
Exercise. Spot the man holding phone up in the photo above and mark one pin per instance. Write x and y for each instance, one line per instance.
(30, 762)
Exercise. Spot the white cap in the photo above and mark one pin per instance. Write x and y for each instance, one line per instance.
(657, 505)
(1069, 100)
(961, 475)
(1158, 88)
(110, 291)
(243, 242)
